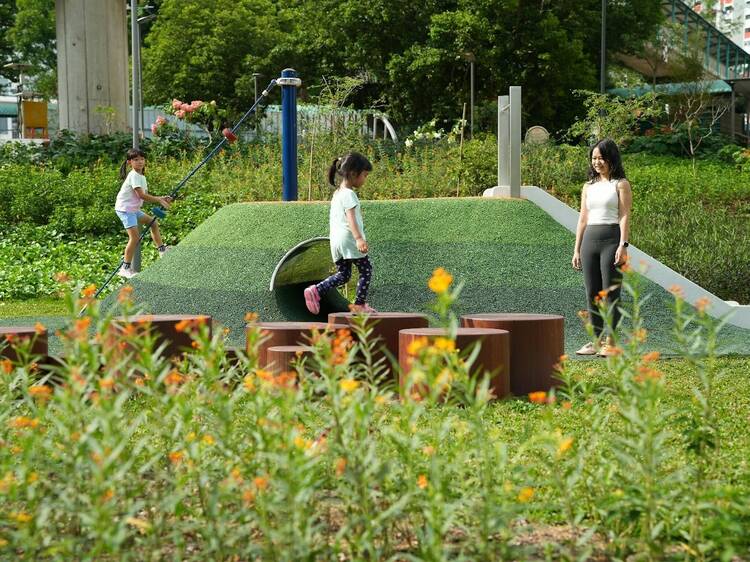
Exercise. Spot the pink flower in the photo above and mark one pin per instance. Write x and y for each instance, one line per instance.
(176, 104)
(160, 121)
(179, 113)
(154, 128)
(185, 107)
(196, 103)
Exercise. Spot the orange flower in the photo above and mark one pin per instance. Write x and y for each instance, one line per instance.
(677, 291)
(248, 496)
(428, 450)
(539, 397)
(175, 457)
(7, 366)
(251, 317)
(525, 494)
(89, 291)
(422, 481)
(39, 328)
(264, 375)
(286, 379)
(22, 422)
(567, 405)
(182, 325)
(124, 294)
(702, 304)
(261, 482)
(61, 277)
(640, 335)
(647, 373)
(108, 495)
(340, 466)
(82, 324)
(195, 344)
(440, 281)
(174, 378)
(107, 383)
(651, 356)
(208, 440)
(41, 391)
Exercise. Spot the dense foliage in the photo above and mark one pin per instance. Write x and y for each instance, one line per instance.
(139, 457)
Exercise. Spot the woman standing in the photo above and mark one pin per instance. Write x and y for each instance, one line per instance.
(602, 238)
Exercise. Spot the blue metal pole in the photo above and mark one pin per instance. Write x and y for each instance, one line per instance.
(289, 84)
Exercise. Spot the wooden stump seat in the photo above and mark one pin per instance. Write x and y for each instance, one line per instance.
(286, 333)
(385, 328)
(281, 357)
(494, 354)
(12, 336)
(167, 328)
(536, 343)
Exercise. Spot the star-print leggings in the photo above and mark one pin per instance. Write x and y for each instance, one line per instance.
(344, 273)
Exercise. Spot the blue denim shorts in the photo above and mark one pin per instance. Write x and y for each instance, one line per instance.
(130, 218)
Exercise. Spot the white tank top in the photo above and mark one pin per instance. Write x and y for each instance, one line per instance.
(602, 202)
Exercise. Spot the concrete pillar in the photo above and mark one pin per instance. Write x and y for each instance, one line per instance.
(92, 64)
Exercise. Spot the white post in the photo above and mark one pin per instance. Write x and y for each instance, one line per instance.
(515, 141)
(503, 141)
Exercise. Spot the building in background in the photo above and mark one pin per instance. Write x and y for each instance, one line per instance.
(731, 17)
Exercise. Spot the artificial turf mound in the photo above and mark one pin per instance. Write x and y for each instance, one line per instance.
(509, 255)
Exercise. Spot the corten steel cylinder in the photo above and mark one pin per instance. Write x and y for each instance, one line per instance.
(281, 357)
(13, 336)
(385, 328)
(494, 354)
(536, 343)
(286, 333)
(171, 329)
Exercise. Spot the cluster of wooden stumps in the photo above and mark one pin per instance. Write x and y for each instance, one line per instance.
(520, 351)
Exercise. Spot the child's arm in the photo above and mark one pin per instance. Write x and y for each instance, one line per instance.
(163, 201)
(351, 219)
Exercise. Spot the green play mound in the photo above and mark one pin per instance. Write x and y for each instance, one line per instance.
(510, 255)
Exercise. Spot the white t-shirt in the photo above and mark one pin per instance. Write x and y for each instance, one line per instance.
(603, 202)
(127, 199)
(343, 244)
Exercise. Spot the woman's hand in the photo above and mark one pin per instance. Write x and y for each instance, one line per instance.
(576, 261)
(362, 245)
(621, 255)
(165, 202)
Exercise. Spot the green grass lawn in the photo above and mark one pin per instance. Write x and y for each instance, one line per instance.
(33, 308)
(509, 255)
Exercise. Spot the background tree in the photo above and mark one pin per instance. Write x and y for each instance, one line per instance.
(205, 50)
(32, 37)
(7, 19)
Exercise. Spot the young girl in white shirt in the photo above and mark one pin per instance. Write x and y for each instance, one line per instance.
(348, 243)
(132, 194)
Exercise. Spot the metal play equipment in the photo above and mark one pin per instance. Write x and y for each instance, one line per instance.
(228, 136)
(306, 263)
(508, 146)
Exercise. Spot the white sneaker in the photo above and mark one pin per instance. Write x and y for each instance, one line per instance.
(588, 349)
(164, 251)
(126, 273)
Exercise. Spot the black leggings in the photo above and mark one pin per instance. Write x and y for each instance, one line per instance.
(344, 273)
(598, 247)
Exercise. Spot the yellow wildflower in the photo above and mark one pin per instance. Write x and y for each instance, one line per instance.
(525, 494)
(445, 344)
(349, 385)
(440, 281)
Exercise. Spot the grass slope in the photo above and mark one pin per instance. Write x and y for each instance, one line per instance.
(510, 255)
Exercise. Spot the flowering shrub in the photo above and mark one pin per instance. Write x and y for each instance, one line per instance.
(121, 453)
(206, 115)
